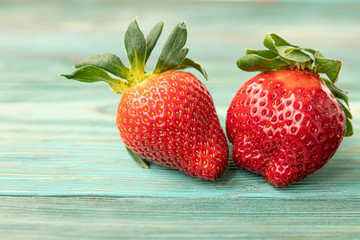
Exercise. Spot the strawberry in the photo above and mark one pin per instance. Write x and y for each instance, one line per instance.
(288, 121)
(167, 116)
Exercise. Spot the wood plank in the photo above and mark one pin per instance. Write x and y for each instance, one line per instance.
(172, 218)
(90, 162)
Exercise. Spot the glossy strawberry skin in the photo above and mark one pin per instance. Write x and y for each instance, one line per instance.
(284, 125)
(170, 119)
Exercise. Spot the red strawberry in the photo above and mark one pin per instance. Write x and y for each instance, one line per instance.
(167, 116)
(170, 119)
(286, 124)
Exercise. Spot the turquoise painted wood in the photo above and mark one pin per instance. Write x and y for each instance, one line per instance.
(64, 172)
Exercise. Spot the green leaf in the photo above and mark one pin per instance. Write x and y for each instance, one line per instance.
(141, 162)
(295, 55)
(330, 67)
(284, 49)
(107, 61)
(135, 46)
(339, 93)
(152, 38)
(346, 110)
(273, 41)
(262, 53)
(349, 131)
(254, 62)
(190, 63)
(90, 74)
(173, 52)
(316, 53)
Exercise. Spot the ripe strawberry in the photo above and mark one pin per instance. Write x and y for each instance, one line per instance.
(286, 123)
(167, 116)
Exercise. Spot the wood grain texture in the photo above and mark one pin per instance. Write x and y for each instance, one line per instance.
(64, 172)
(173, 218)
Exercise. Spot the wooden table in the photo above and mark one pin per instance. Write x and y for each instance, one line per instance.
(64, 171)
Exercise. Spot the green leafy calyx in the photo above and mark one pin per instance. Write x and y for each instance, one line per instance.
(109, 68)
(281, 54)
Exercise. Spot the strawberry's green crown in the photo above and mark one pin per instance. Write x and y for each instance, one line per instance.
(281, 54)
(138, 48)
